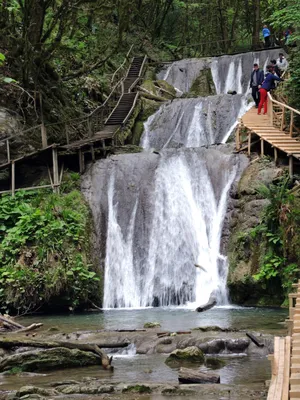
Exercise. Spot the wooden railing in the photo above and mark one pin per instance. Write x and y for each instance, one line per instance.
(119, 73)
(76, 128)
(285, 118)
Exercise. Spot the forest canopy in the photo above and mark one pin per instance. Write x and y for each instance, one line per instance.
(52, 46)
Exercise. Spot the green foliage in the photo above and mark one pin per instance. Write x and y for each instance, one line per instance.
(44, 251)
(280, 231)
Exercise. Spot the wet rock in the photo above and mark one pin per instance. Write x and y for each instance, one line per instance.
(48, 359)
(214, 363)
(187, 375)
(191, 354)
(34, 390)
(165, 340)
(213, 346)
(214, 328)
(137, 389)
(152, 325)
(72, 389)
(237, 345)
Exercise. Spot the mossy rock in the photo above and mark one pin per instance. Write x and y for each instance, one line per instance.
(152, 325)
(49, 359)
(189, 354)
(203, 85)
(150, 86)
(137, 132)
(214, 362)
(169, 88)
(148, 108)
(137, 389)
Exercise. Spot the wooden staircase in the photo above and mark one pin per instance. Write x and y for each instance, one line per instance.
(126, 103)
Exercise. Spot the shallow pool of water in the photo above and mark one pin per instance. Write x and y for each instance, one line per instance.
(173, 319)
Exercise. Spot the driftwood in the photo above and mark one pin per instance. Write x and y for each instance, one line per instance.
(94, 348)
(206, 306)
(130, 330)
(150, 95)
(254, 340)
(8, 322)
(29, 328)
(200, 267)
(187, 375)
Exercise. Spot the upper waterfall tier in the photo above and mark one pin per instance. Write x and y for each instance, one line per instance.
(193, 122)
(229, 72)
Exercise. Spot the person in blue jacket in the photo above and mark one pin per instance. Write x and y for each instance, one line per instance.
(266, 86)
(256, 80)
(266, 34)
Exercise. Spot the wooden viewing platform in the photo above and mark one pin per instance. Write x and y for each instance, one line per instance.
(285, 382)
(276, 128)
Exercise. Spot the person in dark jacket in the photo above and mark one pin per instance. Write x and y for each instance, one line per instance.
(276, 68)
(256, 80)
(266, 86)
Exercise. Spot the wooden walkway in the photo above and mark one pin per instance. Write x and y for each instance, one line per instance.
(285, 382)
(274, 128)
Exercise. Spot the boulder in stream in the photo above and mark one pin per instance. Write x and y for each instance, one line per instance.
(190, 354)
(49, 359)
(152, 325)
(187, 375)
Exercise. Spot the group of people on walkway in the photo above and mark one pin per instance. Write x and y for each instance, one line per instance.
(261, 83)
(268, 38)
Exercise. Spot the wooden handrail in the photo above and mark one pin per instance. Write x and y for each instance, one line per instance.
(284, 107)
(132, 108)
(123, 63)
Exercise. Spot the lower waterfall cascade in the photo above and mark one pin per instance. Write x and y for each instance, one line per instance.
(159, 216)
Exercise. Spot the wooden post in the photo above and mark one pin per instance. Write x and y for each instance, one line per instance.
(13, 179)
(262, 147)
(275, 155)
(283, 118)
(55, 170)
(271, 111)
(291, 123)
(7, 150)
(67, 134)
(43, 128)
(291, 165)
(92, 153)
(81, 161)
(89, 127)
(249, 143)
(44, 136)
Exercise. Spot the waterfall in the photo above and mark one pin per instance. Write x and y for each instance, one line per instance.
(159, 216)
(184, 209)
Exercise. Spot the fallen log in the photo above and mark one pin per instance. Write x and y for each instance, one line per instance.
(11, 323)
(187, 375)
(254, 340)
(210, 304)
(206, 306)
(130, 330)
(29, 328)
(94, 348)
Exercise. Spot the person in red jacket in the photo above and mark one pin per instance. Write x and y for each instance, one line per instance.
(266, 86)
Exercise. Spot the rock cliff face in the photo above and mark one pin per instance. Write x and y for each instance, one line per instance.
(244, 253)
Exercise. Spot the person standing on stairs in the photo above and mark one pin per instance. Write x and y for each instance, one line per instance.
(256, 80)
(266, 86)
(282, 62)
